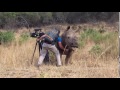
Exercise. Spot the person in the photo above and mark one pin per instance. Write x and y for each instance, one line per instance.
(46, 60)
(50, 46)
(59, 42)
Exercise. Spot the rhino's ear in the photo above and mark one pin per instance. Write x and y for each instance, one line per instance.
(68, 28)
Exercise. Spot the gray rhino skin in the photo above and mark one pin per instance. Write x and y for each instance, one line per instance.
(69, 41)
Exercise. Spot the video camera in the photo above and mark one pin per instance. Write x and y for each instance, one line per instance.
(36, 33)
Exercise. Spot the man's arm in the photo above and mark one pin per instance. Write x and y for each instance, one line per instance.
(43, 36)
(60, 43)
(48, 37)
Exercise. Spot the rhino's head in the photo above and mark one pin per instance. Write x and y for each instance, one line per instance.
(70, 38)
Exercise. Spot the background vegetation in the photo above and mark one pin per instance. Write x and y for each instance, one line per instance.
(12, 20)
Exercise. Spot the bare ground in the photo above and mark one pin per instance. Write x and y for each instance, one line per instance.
(61, 72)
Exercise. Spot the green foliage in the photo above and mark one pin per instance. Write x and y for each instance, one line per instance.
(8, 19)
(96, 50)
(23, 38)
(6, 37)
(101, 41)
(93, 35)
(96, 36)
(82, 40)
(83, 36)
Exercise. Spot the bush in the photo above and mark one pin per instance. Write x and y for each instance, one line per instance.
(23, 38)
(92, 34)
(45, 18)
(96, 37)
(96, 50)
(6, 37)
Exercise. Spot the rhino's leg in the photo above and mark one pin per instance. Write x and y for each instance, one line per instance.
(68, 57)
(61, 58)
(66, 60)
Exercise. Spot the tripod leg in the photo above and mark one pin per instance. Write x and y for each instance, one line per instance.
(34, 52)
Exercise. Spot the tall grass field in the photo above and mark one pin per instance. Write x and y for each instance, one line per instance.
(96, 57)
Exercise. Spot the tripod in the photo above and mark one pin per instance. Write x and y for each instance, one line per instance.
(46, 60)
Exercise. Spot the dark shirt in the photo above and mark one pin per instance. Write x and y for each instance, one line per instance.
(41, 34)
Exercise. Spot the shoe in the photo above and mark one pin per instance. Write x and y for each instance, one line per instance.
(59, 65)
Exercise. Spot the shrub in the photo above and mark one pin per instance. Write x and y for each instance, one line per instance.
(23, 38)
(93, 35)
(96, 50)
(96, 37)
(6, 37)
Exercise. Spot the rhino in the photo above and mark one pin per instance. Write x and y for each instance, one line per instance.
(69, 41)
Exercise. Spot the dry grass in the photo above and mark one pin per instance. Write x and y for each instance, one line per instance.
(15, 63)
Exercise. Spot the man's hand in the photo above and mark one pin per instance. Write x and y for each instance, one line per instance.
(37, 39)
(66, 50)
